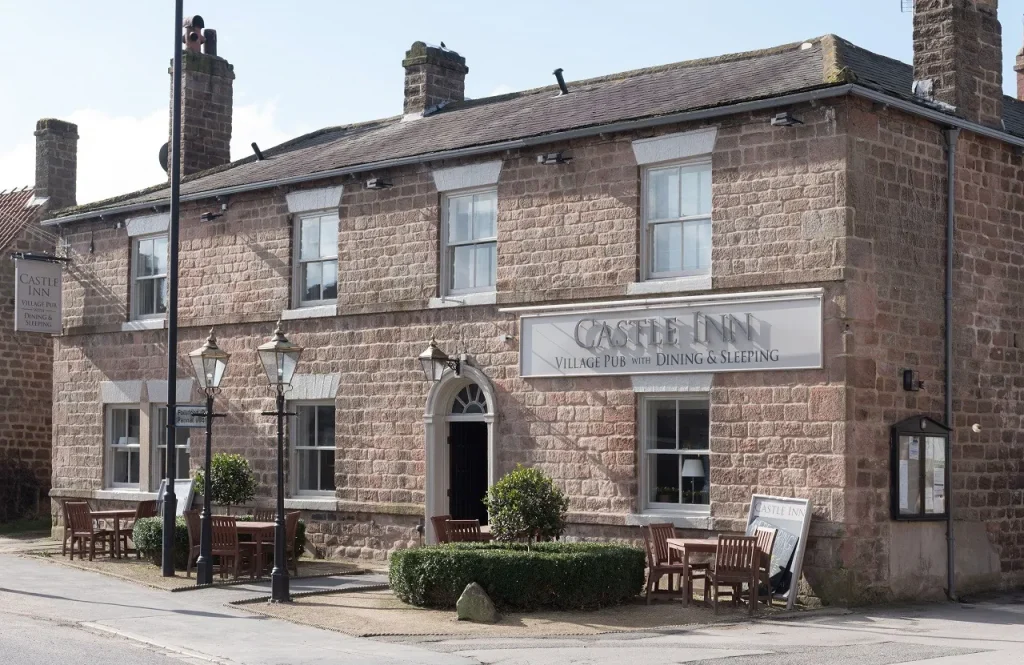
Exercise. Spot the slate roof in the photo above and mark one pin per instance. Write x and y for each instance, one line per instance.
(16, 213)
(692, 85)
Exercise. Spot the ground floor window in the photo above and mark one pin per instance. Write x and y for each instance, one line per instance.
(123, 446)
(313, 443)
(675, 450)
(158, 433)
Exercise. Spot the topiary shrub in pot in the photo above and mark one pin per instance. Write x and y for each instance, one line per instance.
(526, 505)
(232, 480)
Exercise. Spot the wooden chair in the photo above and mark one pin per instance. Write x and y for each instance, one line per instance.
(142, 510)
(765, 542)
(440, 524)
(84, 529)
(463, 531)
(291, 526)
(736, 564)
(194, 531)
(226, 546)
(659, 564)
(660, 533)
(67, 527)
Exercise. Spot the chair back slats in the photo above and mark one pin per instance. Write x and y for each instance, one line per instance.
(79, 516)
(225, 533)
(463, 530)
(652, 554)
(765, 542)
(439, 522)
(660, 533)
(735, 554)
(263, 516)
(145, 509)
(193, 525)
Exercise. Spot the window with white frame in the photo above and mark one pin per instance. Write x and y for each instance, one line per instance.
(313, 443)
(123, 446)
(470, 237)
(158, 434)
(676, 473)
(149, 276)
(316, 265)
(677, 219)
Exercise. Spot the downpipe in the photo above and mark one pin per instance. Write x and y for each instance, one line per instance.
(951, 134)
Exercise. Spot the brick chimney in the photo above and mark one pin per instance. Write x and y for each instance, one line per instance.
(958, 47)
(56, 162)
(206, 98)
(1019, 68)
(433, 75)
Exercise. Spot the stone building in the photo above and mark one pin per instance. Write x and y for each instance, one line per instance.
(670, 289)
(27, 366)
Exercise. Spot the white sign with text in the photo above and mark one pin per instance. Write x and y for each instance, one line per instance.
(760, 332)
(37, 296)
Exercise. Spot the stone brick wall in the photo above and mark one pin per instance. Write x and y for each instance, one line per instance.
(25, 376)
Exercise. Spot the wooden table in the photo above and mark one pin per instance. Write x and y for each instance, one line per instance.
(116, 516)
(687, 546)
(259, 532)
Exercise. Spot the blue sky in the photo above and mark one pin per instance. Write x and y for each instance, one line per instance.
(307, 64)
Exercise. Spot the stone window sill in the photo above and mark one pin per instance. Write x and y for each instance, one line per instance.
(312, 502)
(144, 324)
(688, 520)
(674, 285)
(315, 312)
(463, 300)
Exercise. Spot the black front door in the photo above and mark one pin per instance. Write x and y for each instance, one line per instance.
(467, 459)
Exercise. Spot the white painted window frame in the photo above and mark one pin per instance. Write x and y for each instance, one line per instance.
(447, 266)
(645, 505)
(646, 225)
(135, 279)
(293, 433)
(297, 262)
(109, 447)
(157, 452)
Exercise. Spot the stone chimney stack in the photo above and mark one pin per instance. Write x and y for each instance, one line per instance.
(958, 47)
(1019, 68)
(433, 75)
(56, 162)
(206, 99)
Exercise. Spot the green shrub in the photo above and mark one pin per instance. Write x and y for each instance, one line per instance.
(232, 480)
(565, 576)
(148, 537)
(300, 533)
(19, 490)
(526, 504)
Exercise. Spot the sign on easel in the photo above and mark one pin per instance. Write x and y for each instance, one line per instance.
(183, 493)
(791, 518)
(37, 296)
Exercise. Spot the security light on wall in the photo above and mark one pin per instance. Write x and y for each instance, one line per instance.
(785, 119)
(552, 158)
(377, 183)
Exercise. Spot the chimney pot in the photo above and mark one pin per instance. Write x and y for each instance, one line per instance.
(56, 162)
(434, 75)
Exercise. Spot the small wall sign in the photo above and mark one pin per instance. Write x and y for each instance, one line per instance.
(186, 415)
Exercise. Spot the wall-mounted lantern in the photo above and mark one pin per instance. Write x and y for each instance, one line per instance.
(918, 488)
(434, 362)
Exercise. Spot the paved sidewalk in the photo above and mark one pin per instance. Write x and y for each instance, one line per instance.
(195, 623)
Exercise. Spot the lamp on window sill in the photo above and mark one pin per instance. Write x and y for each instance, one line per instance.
(693, 468)
(210, 363)
(434, 362)
(280, 359)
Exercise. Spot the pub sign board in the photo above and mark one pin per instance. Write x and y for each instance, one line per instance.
(723, 334)
(37, 296)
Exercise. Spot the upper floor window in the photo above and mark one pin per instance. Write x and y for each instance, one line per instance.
(677, 219)
(470, 236)
(122, 459)
(316, 267)
(149, 277)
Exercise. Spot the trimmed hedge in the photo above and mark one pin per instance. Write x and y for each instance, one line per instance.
(564, 576)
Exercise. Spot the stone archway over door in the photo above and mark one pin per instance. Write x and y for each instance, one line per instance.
(438, 417)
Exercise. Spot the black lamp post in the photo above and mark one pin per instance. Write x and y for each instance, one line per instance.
(434, 362)
(280, 359)
(209, 363)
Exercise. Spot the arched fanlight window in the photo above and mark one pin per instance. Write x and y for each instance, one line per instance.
(470, 400)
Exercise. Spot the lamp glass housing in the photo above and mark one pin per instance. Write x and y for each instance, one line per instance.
(280, 359)
(433, 361)
(209, 363)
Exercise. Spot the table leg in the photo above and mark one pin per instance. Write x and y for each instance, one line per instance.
(686, 576)
(117, 538)
(258, 563)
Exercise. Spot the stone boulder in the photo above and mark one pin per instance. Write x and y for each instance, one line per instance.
(475, 605)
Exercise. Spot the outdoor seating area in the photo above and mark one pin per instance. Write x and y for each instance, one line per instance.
(733, 565)
(459, 531)
(239, 546)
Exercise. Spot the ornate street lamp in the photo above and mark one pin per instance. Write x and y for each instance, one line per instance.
(209, 363)
(280, 358)
(435, 361)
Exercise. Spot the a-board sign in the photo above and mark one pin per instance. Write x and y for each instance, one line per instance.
(791, 519)
(183, 493)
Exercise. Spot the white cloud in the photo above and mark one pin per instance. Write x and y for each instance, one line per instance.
(118, 154)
